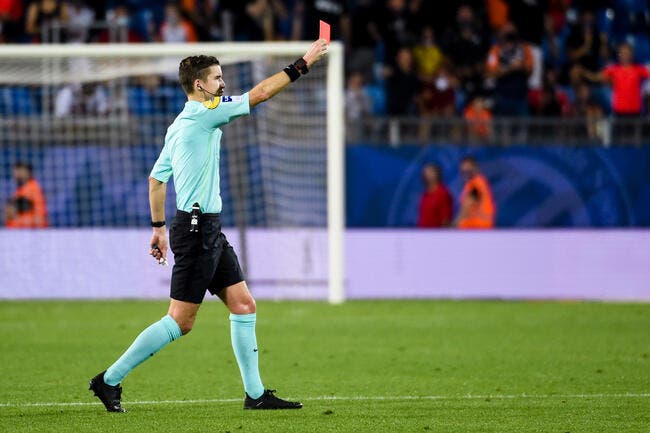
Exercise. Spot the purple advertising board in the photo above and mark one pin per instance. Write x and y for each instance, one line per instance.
(292, 264)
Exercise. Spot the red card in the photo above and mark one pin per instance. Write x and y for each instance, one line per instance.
(324, 31)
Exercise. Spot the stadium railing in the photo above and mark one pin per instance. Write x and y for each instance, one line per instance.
(501, 131)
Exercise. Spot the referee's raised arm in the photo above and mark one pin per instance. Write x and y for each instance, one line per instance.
(273, 85)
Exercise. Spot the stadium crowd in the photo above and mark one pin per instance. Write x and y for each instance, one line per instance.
(471, 58)
(415, 59)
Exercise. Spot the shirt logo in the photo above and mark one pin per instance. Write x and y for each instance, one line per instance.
(231, 99)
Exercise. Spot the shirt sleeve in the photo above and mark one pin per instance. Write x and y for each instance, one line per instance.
(609, 72)
(493, 59)
(529, 62)
(644, 71)
(162, 169)
(229, 108)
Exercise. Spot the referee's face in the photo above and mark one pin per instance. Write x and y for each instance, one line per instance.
(214, 81)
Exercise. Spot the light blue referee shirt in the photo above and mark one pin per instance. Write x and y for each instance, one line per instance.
(191, 152)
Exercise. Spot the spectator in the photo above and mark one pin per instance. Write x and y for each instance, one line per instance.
(627, 80)
(358, 106)
(585, 103)
(364, 36)
(119, 27)
(477, 209)
(402, 85)
(284, 18)
(26, 208)
(334, 12)
(555, 23)
(479, 119)
(465, 46)
(395, 24)
(250, 19)
(436, 202)
(175, 28)
(274, 19)
(81, 99)
(586, 46)
(11, 13)
(556, 18)
(203, 15)
(440, 14)
(510, 63)
(497, 13)
(528, 16)
(551, 101)
(549, 105)
(588, 107)
(437, 98)
(428, 57)
(99, 8)
(42, 18)
(80, 18)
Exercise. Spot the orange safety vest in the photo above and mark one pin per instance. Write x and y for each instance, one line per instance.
(31, 191)
(481, 215)
(478, 121)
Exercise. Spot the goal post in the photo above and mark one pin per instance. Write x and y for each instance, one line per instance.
(281, 148)
(336, 174)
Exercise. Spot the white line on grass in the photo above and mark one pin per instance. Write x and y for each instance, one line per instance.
(347, 398)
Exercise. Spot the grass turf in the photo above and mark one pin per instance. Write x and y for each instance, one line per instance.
(398, 366)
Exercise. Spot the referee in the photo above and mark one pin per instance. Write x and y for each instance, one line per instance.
(204, 260)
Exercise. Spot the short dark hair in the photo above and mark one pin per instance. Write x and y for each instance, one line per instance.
(469, 159)
(436, 168)
(627, 45)
(194, 67)
(23, 164)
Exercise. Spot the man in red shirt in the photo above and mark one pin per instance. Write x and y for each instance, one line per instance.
(626, 78)
(436, 203)
(27, 208)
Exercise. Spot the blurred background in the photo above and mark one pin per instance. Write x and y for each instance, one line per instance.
(459, 115)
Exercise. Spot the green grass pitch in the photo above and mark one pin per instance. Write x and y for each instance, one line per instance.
(365, 366)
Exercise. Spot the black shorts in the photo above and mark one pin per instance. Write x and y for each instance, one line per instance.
(202, 261)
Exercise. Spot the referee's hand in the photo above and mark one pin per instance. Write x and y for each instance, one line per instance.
(158, 244)
(317, 50)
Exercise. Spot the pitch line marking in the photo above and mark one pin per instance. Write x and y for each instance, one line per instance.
(344, 398)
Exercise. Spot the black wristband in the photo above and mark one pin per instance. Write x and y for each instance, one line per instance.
(157, 223)
(301, 65)
(292, 72)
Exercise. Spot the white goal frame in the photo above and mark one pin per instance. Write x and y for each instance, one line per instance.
(242, 51)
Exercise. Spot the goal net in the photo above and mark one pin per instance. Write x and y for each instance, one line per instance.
(91, 121)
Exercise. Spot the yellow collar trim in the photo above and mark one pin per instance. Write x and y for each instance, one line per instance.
(212, 103)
